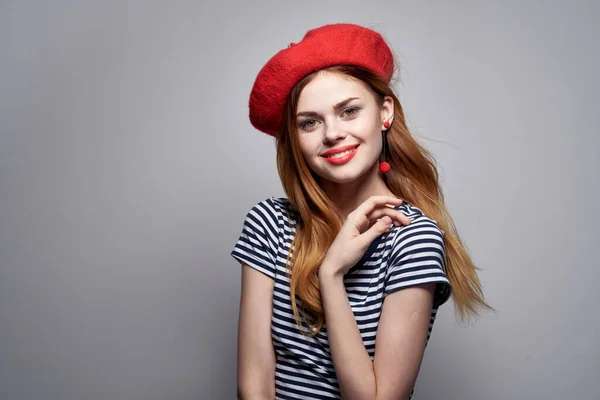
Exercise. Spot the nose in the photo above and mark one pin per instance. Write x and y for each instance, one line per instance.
(333, 133)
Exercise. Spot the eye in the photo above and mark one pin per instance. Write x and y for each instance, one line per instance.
(351, 111)
(308, 124)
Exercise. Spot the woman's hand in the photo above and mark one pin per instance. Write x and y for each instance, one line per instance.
(363, 225)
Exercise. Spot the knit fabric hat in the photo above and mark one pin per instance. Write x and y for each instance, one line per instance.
(328, 45)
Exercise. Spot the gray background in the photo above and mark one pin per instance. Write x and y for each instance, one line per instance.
(127, 165)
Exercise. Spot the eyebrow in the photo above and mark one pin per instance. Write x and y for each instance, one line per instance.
(336, 107)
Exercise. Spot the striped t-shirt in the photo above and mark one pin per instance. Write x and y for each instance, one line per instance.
(406, 256)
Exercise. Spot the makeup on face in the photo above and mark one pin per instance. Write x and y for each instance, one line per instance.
(307, 121)
(340, 155)
(336, 122)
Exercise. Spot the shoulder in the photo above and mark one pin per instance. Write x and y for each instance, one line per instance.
(272, 212)
(418, 255)
(262, 236)
(274, 206)
(422, 231)
(418, 220)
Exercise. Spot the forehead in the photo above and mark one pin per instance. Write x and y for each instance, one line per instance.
(328, 88)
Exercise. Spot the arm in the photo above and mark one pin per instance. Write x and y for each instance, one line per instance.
(351, 361)
(256, 356)
(400, 342)
(401, 339)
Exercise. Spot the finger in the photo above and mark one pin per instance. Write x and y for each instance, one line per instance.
(374, 202)
(377, 215)
(380, 227)
(397, 216)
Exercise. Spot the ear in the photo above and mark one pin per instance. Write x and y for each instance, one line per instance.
(387, 109)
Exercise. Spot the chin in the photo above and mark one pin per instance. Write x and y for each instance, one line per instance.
(345, 175)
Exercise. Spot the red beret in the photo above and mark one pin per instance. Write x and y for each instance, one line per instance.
(328, 45)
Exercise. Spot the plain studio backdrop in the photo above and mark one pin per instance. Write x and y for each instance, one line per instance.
(128, 163)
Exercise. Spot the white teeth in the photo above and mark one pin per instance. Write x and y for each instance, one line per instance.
(342, 154)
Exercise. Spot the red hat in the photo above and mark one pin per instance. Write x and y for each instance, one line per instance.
(322, 47)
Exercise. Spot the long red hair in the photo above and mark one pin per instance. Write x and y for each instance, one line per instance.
(413, 177)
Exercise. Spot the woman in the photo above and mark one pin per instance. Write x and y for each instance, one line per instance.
(342, 280)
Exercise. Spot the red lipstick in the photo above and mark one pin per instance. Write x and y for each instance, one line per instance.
(327, 156)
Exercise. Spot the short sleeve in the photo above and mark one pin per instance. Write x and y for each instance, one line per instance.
(418, 257)
(257, 244)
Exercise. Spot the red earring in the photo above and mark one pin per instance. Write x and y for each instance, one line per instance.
(386, 124)
(384, 167)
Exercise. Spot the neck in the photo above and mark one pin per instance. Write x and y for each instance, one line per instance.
(348, 196)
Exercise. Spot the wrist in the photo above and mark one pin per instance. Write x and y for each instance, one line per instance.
(327, 274)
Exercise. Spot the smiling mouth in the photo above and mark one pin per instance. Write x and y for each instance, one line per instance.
(341, 154)
(342, 157)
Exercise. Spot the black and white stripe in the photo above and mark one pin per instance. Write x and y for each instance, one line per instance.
(406, 256)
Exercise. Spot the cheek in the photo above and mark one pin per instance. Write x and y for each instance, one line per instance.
(364, 129)
(303, 147)
(308, 148)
